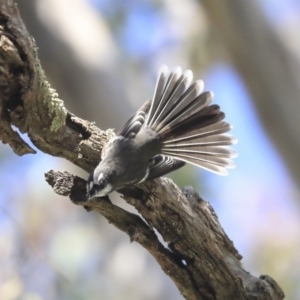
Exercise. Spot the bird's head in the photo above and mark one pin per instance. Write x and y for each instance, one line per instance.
(99, 183)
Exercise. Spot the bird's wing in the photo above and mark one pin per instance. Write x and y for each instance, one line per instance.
(135, 123)
(162, 165)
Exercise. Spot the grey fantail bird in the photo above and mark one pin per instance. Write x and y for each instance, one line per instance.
(178, 126)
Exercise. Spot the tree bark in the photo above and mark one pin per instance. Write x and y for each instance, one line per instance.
(198, 255)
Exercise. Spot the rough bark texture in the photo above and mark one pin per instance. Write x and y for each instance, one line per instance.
(200, 258)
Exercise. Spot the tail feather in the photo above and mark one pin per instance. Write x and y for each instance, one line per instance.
(181, 86)
(188, 100)
(203, 148)
(194, 107)
(174, 89)
(159, 88)
(210, 140)
(221, 161)
(220, 151)
(205, 117)
(189, 127)
(172, 83)
(205, 163)
(216, 128)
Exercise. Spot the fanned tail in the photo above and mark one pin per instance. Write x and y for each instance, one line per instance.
(190, 129)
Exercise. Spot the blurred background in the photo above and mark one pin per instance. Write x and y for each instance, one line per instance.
(102, 57)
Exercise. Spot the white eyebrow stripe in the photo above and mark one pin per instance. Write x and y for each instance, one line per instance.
(104, 191)
(100, 176)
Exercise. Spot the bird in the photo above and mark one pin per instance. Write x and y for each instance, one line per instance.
(178, 125)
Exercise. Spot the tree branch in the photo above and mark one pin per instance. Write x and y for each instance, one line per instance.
(198, 256)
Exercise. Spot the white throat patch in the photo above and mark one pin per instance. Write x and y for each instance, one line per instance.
(104, 191)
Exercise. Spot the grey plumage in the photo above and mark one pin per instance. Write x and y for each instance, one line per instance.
(179, 126)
